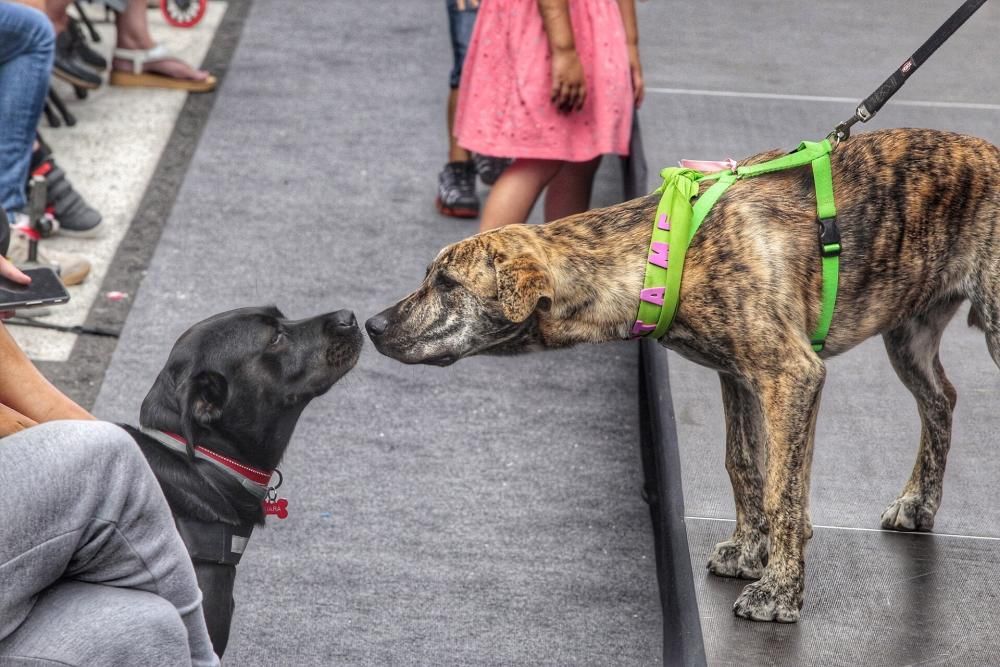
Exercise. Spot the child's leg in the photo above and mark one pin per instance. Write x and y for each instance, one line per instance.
(569, 192)
(455, 152)
(461, 21)
(512, 197)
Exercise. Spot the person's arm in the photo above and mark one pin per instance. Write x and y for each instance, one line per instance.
(12, 421)
(26, 391)
(627, 9)
(37, 4)
(569, 89)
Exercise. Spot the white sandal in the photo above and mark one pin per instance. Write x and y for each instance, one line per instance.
(138, 78)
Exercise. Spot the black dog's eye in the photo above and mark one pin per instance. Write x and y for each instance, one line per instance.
(277, 338)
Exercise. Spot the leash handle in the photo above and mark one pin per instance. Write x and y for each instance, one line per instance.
(874, 102)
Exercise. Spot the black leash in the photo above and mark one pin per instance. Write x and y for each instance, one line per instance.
(21, 321)
(867, 110)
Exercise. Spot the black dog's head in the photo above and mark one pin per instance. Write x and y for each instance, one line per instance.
(238, 381)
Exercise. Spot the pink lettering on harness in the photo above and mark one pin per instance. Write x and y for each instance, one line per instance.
(653, 295)
(658, 253)
(640, 328)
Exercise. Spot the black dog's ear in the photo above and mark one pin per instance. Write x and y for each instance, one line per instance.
(204, 396)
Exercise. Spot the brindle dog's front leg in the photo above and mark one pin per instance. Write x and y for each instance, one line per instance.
(789, 390)
(745, 554)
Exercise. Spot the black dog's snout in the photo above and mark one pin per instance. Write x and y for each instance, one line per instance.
(377, 325)
(344, 319)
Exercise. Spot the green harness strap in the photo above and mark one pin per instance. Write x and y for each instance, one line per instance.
(677, 222)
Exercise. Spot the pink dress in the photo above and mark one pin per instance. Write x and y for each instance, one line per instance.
(504, 108)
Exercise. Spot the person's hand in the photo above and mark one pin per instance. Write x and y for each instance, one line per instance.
(635, 69)
(11, 272)
(569, 88)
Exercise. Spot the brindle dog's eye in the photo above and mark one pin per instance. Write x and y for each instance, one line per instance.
(445, 281)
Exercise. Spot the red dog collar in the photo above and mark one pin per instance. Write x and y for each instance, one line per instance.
(252, 479)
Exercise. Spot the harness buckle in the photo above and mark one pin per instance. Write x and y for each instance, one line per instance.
(829, 237)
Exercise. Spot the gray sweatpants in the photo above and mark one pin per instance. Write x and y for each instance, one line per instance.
(92, 570)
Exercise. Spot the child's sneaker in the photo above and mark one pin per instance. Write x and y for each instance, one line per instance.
(457, 190)
(67, 206)
(489, 168)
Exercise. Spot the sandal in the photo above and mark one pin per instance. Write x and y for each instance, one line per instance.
(138, 78)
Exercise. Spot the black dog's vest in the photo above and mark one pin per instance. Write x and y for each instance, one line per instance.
(208, 541)
(214, 542)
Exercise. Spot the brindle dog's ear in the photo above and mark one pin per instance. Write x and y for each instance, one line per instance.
(523, 284)
(204, 395)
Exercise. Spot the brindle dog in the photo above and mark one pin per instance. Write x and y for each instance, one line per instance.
(919, 213)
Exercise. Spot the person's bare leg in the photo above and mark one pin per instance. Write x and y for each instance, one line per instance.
(56, 11)
(569, 192)
(514, 194)
(133, 33)
(455, 152)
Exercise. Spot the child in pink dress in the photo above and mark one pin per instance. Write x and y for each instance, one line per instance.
(551, 83)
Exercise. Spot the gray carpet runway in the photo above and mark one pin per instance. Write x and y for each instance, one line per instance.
(488, 513)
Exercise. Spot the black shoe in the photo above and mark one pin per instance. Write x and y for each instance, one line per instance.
(457, 190)
(73, 215)
(69, 67)
(490, 168)
(79, 46)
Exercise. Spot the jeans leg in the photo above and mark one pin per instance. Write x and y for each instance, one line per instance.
(460, 25)
(27, 44)
(83, 505)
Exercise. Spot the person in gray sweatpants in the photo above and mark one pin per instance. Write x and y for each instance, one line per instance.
(92, 570)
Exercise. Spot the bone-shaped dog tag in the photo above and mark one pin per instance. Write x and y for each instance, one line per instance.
(278, 508)
(275, 506)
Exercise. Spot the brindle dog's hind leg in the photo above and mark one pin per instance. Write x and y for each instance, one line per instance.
(913, 350)
(745, 554)
(986, 304)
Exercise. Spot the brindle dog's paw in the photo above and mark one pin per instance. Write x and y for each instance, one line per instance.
(908, 513)
(742, 560)
(765, 600)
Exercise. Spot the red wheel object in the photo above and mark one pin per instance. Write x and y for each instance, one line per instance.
(183, 13)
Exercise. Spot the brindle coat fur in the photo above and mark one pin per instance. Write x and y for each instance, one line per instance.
(919, 212)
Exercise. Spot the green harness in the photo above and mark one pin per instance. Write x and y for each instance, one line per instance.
(677, 221)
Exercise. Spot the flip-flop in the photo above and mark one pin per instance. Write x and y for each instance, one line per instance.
(139, 79)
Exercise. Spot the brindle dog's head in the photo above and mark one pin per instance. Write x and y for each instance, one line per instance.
(482, 295)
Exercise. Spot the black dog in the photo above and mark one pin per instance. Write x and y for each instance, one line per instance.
(218, 419)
